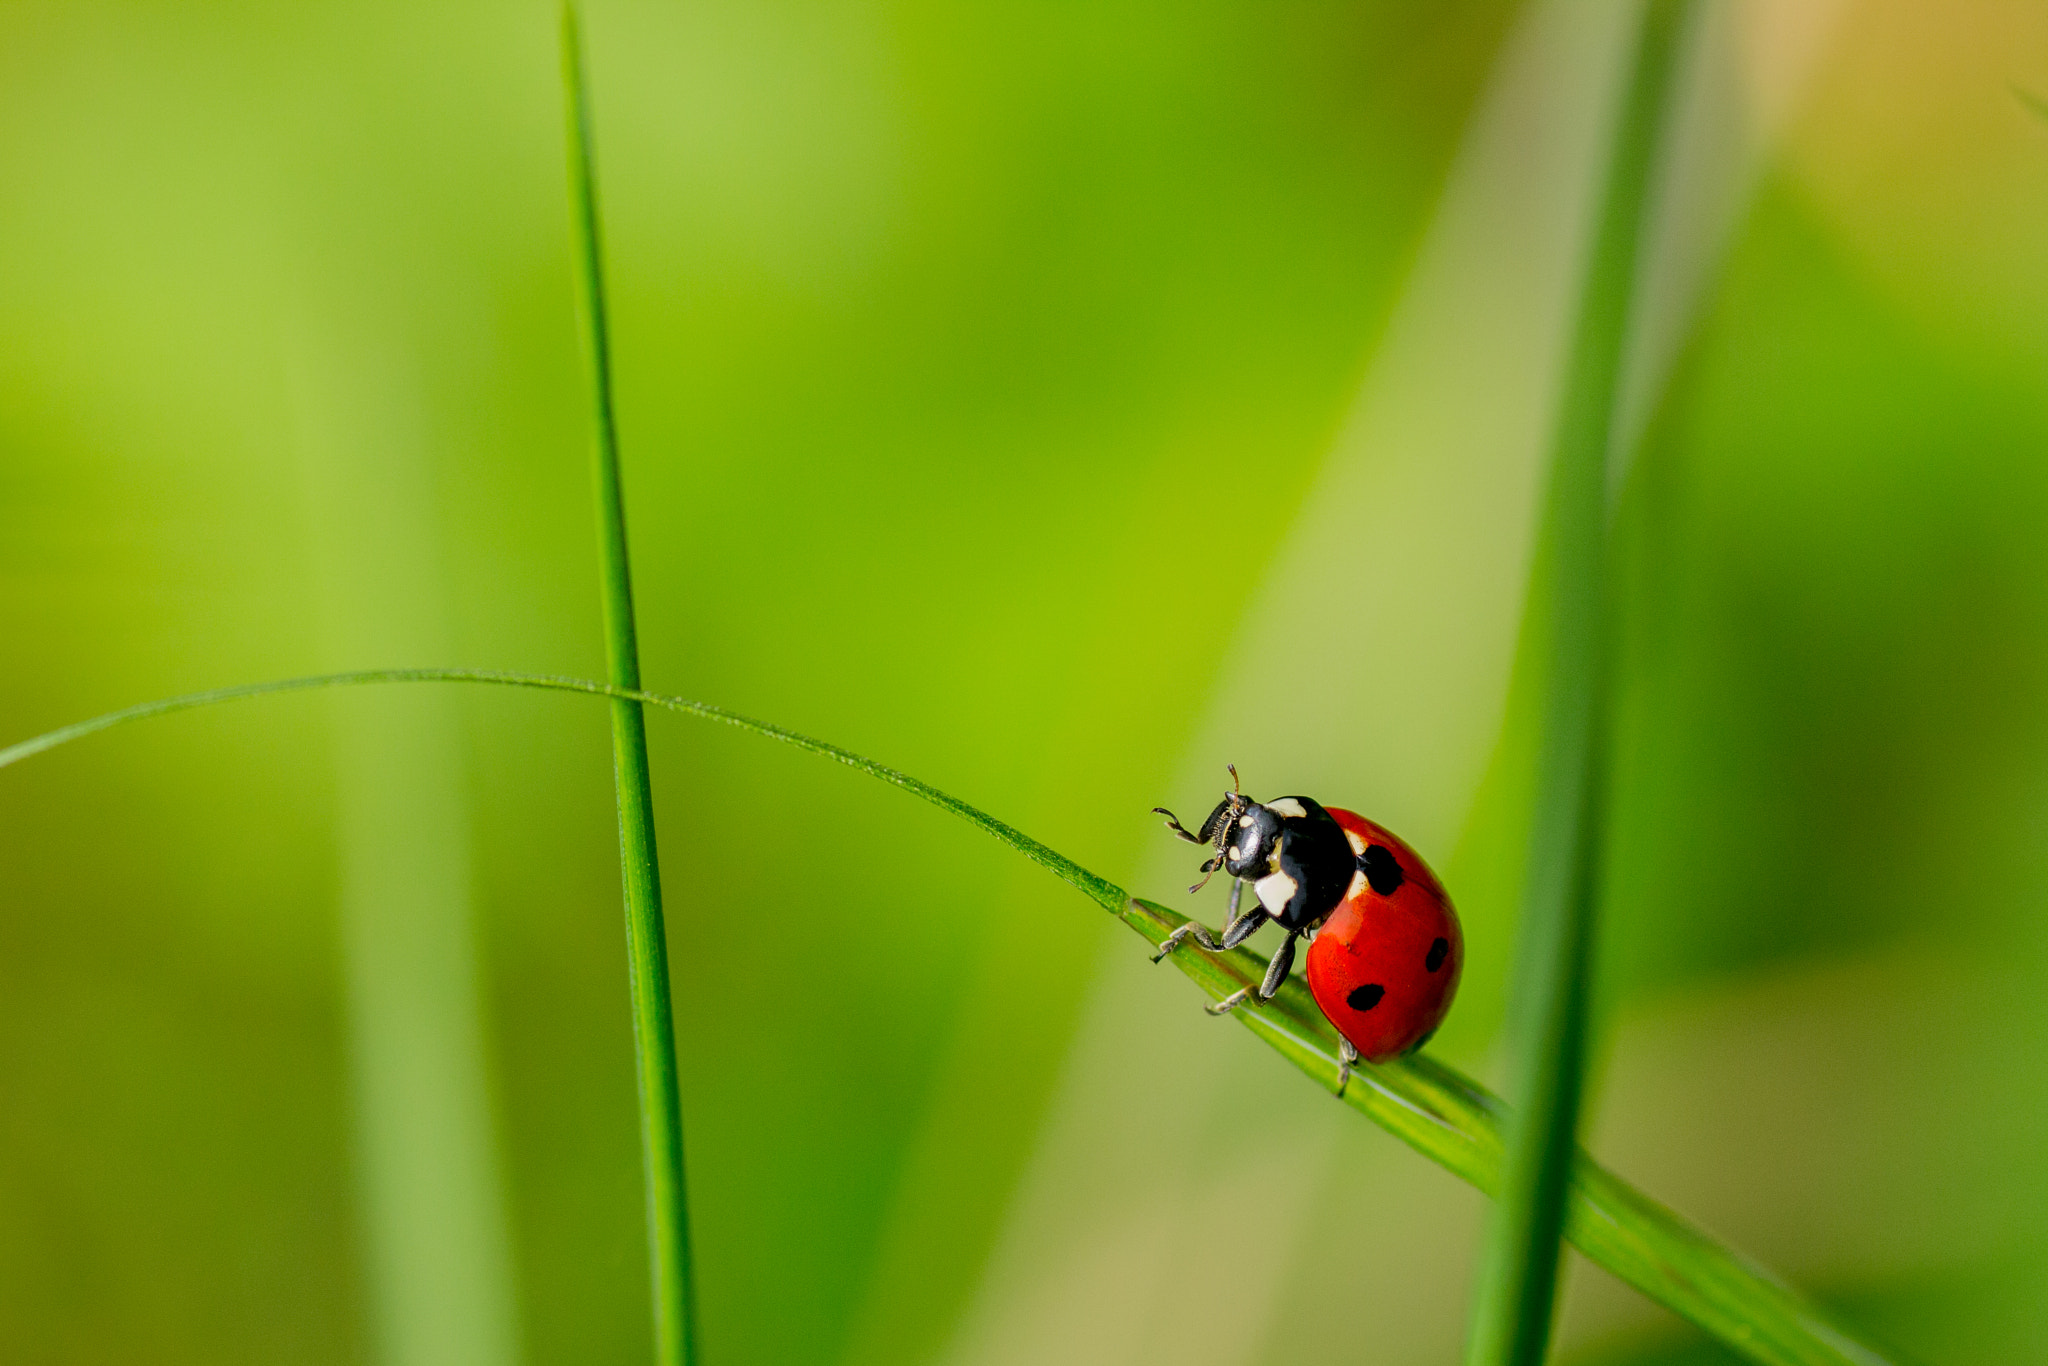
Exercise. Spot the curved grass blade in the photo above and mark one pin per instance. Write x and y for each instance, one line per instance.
(1548, 1022)
(654, 1039)
(1442, 1114)
(1103, 893)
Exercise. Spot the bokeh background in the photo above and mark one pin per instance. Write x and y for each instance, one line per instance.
(1056, 402)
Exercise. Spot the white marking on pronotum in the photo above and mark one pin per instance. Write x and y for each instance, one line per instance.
(1287, 806)
(1275, 891)
(1357, 842)
(1244, 822)
(1358, 885)
(1235, 853)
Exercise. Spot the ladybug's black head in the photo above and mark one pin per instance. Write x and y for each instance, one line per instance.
(1244, 834)
(1250, 841)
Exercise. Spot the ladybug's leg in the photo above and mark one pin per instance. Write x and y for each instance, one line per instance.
(1207, 834)
(1243, 927)
(1230, 1002)
(1276, 973)
(1347, 1058)
(1236, 929)
(1194, 930)
(1173, 824)
(1235, 933)
(1277, 970)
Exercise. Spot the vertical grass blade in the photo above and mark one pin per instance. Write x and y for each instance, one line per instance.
(661, 1108)
(1548, 1012)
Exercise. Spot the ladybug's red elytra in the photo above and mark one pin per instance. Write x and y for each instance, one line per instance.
(1384, 949)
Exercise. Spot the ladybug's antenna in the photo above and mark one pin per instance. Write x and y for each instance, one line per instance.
(1216, 830)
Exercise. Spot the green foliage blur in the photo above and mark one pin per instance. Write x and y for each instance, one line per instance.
(1054, 403)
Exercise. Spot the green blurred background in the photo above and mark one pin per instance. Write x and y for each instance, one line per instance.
(1055, 402)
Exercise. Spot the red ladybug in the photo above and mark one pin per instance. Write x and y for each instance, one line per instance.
(1385, 950)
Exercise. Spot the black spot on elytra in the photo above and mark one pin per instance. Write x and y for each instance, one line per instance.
(1365, 997)
(1382, 870)
(1437, 953)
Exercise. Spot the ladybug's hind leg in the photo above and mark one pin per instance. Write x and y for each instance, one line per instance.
(1347, 1058)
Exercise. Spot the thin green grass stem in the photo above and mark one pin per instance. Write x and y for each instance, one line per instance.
(1517, 1289)
(661, 1103)
(1442, 1114)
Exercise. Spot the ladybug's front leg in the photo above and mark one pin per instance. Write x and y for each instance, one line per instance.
(1207, 834)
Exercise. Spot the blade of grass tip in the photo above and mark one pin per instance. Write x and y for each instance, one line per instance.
(661, 1105)
(1516, 1293)
(1442, 1114)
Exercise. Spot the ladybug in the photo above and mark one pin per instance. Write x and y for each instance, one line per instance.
(1384, 948)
